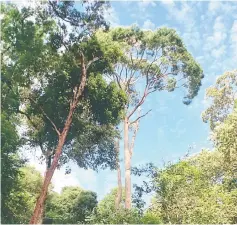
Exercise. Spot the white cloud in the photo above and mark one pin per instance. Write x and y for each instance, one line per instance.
(148, 25)
(167, 2)
(61, 180)
(181, 12)
(233, 39)
(218, 36)
(195, 37)
(145, 3)
(216, 7)
(219, 24)
(218, 52)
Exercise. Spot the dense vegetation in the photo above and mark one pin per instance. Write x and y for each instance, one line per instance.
(67, 82)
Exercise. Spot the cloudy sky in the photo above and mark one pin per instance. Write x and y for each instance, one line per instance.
(209, 30)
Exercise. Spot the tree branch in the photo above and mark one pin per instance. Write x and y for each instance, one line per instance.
(91, 61)
(28, 117)
(140, 102)
(45, 114)
(139, 117)
(131, 147)
(78, 90)
(118, 77)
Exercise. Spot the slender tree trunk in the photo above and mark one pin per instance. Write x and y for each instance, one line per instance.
(127, 158)
(119, 193)
(49, 174)
(62, 138)
(48, 164)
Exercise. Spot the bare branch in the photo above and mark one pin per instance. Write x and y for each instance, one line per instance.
(139, 103)
(150, 67)
(134, 71)
(81, 85)
(152, 91)
(118, 77)
(131, 147)
(182, 85)
(91, 61)
(139, 117)
(135, 80)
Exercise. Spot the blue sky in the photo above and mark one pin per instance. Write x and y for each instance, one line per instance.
(209, 30)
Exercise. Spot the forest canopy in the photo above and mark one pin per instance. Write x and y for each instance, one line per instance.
(78, 90)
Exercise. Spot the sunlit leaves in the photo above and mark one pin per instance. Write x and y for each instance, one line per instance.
(222, 96)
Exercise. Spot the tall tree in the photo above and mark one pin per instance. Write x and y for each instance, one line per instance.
(155, 61)
(119, 176)
(221, 114)
(222, 97)
(58, 62)
(225, 140)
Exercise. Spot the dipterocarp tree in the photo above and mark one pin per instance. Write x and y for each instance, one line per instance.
(152, 61)
(221, 114)
(58, 62)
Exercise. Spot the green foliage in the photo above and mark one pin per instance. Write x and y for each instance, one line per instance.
(225, 140)
(150, 217)
(10, 143)
(10, 164)
(194, 191)
(222, 115)
(106, 213)
(42, 56)
(105, 100)
(72, 206)
(21, 200)
(160, 57)
(222, 96)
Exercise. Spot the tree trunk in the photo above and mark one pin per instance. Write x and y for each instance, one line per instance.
(119, 193)
(62, 138)
(48, 176)
(48, 164)
(127, 158)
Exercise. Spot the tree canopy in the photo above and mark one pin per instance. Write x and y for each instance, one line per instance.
(68, 82)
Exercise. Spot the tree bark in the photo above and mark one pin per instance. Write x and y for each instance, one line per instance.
(48, 176)
(127, 158)
(48, 164)
(119, 193)
(62, 138)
